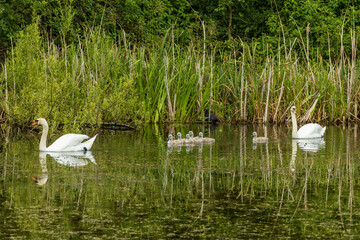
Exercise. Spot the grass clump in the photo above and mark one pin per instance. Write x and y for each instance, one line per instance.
(83, 83)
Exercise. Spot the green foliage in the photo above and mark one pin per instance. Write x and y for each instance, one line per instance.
(146, 22)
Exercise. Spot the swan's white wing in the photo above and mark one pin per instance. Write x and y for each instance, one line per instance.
(311, 130)
(67, 142)
(85, 145)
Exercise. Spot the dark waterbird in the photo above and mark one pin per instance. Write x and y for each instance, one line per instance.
(211, 117)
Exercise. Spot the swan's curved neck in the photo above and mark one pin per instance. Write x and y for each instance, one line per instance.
(294, 125)
(42, 145)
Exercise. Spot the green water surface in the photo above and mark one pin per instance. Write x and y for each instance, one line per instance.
(133, 186)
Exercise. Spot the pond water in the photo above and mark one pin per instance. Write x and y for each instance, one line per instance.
(131, 186)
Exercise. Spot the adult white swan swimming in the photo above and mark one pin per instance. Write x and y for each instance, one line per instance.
(310, 130)
(67, 143)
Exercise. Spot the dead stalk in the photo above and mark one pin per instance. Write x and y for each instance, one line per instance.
(202, 70)
(352, 71)
(166, 80)
(6, 89)
(211, 81)
(242, 104)
(280, 96)
(268, 92)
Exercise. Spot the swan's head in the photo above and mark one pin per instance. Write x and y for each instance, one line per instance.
(40, 121)
(40, 180)
(187, 136)
(201, 135)
(254, 134)
(293, 109)
(178, 135)
(191, 134)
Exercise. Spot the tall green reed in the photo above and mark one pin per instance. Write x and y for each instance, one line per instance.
(84, 83)
(100, 79)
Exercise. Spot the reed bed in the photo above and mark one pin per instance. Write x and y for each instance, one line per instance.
(100, 79)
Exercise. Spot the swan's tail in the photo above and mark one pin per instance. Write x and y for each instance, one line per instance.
(88, 144)
(322, 132)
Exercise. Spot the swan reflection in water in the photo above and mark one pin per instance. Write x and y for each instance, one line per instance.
(42, 178)
(310, 145)
(71, 159)
(307, 145)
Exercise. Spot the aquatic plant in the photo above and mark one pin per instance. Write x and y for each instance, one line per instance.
(101, 80)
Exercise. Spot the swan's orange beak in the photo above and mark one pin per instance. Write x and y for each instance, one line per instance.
(35, 179)
(294, 111)
(36, 122)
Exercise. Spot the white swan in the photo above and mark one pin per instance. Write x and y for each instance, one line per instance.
(205, 140)
(179, 140)
(257, 139)
(189, 139)
(171, 141)
(66, 143)
(310, 130)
